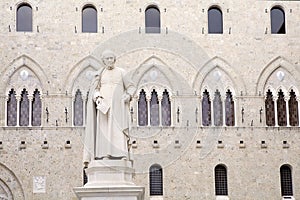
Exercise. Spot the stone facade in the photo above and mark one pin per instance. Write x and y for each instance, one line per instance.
(45, 162)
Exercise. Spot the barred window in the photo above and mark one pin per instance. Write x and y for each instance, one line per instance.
(281, 109)
(215, 20)
(218, 109)
(206, 109)
(277, 20)
(156, 180)
(229, 109)
(152, 19)
(154, 109)
(286, 181)
(78, 109)
(36, 109)
(12, 108)
(293, 109)
(24, 18)
(221, 180)
(270, 111)
(24, 108)
(166, 109)
(89, 19)
(142, 109)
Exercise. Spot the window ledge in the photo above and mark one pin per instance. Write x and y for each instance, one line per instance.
(288, 197)
(221, 197)
(156, 198)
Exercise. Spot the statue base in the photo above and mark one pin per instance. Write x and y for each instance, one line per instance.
(110, 179)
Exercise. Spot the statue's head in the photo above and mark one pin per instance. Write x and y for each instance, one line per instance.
(108, 58)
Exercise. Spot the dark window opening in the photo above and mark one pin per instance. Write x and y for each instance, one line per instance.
(152, 19)
(229, 109)
(12, 108)
(24, 109)
(293, 109)
(277, 21)
(218, 109)
(286, 181)
(142, 109)
(36, 114)
(166, 109)
(89, 19)
(156, 180)
(270, 111)
(281, 109)
(78, 109)
(24, 18)
(206, 109)
(154, 109)
(215, 20)
(221, 180)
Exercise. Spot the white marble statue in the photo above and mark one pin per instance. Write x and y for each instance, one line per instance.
(107, 122)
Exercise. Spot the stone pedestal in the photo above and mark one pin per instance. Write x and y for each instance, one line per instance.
(110, 180)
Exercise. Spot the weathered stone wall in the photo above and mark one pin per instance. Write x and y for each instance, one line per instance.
(247, 56)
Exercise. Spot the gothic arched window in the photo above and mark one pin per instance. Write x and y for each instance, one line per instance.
(215, 20)
(24, 18)
(281, 109)
(270, 110)
(206, 109)
(229, 109)
(221, 180)
(24, 109)
(142, 109)
(152, 19)
(156, 180)
(286, 181)
(89, 19)
(166, 109)
(277, 20)
(12, 108)
(78, 109)
(36, 109)
(218, 109)
(154, 109)
(293, 109)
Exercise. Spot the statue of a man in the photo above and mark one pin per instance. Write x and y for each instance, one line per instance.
(107, 122)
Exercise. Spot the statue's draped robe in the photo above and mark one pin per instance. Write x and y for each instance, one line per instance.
(107, 134)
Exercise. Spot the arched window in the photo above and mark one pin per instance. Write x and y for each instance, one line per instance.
(286, 181)
(218, 109)
(166, 109)
(154, 109)
(281, 109)
(156, 180)
(36, 109)
(142, 109)
(229, 109)
(12, 108)
(152, 19)
(215, 20)
(89, 19)
(206, 109)
(277, 20)
(293, 109)
(221, 180)
(24, 109)
(270, 111)
(78, 109)
(24, 18)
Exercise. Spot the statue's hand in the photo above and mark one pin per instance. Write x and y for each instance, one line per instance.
(126, 97)
(99, 100)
